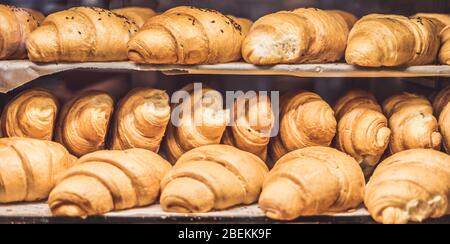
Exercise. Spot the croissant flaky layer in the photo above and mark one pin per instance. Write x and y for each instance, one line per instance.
(202, 121)
(15, 28)
(81, 34)
(84, 122)
(305, 120)
(109, 180)
(212, 177)
(363, 131)
(392, 40)
(411, 185)
(304, 35)
(30, 114)
(312, 181)
(253, 120)
(29, 168)
(412, 123)
(188, 35)
(441, 106)
(141, 120)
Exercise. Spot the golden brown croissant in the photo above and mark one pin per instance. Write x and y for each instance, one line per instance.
(16, 26)
(212, 177)
(305, 120)
(141, 120)
(252, 123)
(202, 122)
(29, 168)
(305, 35)
(363, 131)
(444, 54)
(392, 40)
(312, 181)
(30, 114)
(187, 35)
(84, 121)
(411, 185)
(349, 18)
(81, 34)
(412, 123)
(441, 107)
(444, 19)
(137, 15)
(109, 180)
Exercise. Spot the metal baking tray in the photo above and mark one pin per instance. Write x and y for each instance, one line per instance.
(15, 73)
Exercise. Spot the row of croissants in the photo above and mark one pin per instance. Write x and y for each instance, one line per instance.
(190, 35)
(308, 178)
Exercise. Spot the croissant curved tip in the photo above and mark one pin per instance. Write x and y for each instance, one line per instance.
(70, 210)
(363, 52)
(436, 140)
(44, 37)
(186, 195)
(152, 46)
(393, 215)
(383, 136)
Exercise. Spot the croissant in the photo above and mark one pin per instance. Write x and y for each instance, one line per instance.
(411, 185)
(212, 177)
(29, 168)
(141, 120)
(252, 123)
(84, 121)
(81, 34)
(109, 180)
(441, 107)
(392, 40)
(15, 28)
(444, 19)
(305, 120)
(363, 131)
(30, 114)
(412, 123)
(202, 121)
(444, 54)
(187, 35)
(312, 181)
(305, 35)
(137, 15)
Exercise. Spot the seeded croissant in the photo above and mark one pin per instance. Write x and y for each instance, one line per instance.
(392, 40)
(188, 35)
(16, 26)
(81, 34)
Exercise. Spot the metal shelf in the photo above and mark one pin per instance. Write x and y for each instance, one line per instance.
(15, 73)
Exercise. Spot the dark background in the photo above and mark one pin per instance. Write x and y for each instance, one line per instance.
(253, 8)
